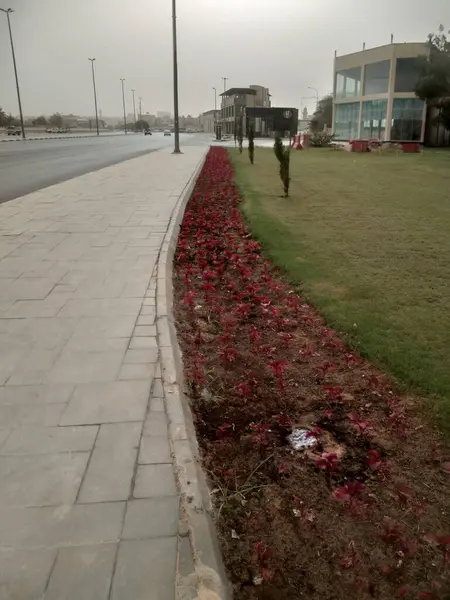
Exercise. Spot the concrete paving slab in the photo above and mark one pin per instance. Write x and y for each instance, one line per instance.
(156, 517)
(78, 355)
(51, 526)
(50, 440)
(35, 394)
(145, 569)
(95, 403)
(84, 572)
(41, 480)
(111, 469)
(24, 573)
(153, 481)
(19, 415)
(154, 449)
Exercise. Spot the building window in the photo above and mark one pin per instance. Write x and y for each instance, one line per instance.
(346, 120)
(348, 83)
(407, 115)
(373, 120)
(376, 78)
(407, 74)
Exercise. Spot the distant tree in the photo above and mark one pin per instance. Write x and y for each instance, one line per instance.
(251, 143)
(56, 120)
(434, 80)
(433, 85)
(284, 158)
(11, 121)
(2, 117)
(142, 125)
(323, 115)
(40, 121)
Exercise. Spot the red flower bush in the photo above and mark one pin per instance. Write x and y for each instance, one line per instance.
(260, 362)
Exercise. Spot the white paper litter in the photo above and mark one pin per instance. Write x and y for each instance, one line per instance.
(299, 439)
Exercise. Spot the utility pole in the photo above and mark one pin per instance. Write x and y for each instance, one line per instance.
(225, 79)
(95, 93)
(317, 95)
(176, 149)
(140, 108)
(134, 109)
(124, 110)
(8, 11)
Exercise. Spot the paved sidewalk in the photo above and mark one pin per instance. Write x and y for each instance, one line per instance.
(89, 508)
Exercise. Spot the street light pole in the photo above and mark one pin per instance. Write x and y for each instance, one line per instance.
(317, 94)
(134, 109)
(223, 103)
(140, 108)
(8, 11)
(123, 102)
(215, 111)
(176, 149)
(95, 93)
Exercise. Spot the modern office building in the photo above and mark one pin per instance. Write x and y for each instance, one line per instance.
(374, 94)
(208, 121)
(236, 100)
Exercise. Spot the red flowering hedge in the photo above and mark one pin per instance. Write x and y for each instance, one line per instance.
(363, 514)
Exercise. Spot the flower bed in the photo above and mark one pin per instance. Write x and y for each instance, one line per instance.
(363, 511)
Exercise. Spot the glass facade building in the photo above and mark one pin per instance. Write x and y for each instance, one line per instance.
(348, 83)
(407, 115)
(374, 94)
(373, 120)
(346, 120)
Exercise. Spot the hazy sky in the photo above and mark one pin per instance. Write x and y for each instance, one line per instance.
(285, 45)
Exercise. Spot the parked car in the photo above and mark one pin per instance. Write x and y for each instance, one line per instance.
(167, 132)
(11, 130)
(147, 132)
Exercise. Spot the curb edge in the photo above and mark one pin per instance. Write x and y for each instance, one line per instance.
(208, 578)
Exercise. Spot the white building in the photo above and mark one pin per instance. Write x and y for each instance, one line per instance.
(374, 94)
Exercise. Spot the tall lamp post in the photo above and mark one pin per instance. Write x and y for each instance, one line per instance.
(176, 149)
(223, 103)
(134, 109)
(95, 93)
(317, 94)
(215, 111)
(140, 108)
(123, 102)
(8, 11)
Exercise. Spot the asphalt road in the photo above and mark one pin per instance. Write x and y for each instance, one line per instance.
(32, 165)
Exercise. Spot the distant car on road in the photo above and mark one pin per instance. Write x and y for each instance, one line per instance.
(147, 132)
(167, 132)
(11, 130)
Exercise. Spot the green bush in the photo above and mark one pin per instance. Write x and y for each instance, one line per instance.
(321, 139)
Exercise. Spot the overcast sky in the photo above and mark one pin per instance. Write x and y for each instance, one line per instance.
(285, 45)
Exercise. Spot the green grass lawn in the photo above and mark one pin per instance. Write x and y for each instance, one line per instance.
(367, 239)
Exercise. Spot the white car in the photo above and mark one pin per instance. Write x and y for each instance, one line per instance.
(167, 132)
